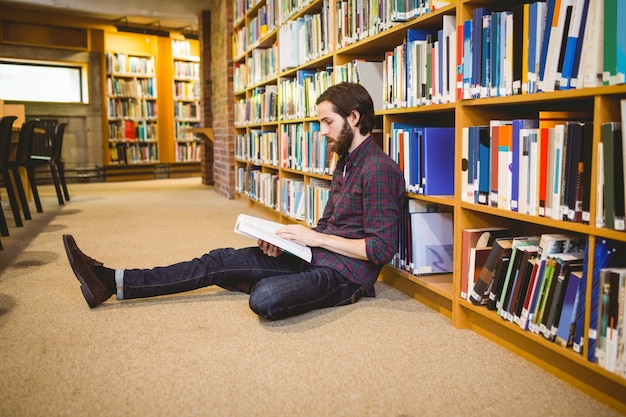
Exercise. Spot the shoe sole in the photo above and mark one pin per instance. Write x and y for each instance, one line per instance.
(91, 302)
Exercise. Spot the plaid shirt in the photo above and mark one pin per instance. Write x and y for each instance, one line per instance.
(366, 197)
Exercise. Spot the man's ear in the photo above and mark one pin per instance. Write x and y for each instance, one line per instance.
(355, 117)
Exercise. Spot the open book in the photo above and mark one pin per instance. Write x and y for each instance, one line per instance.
(257, 228)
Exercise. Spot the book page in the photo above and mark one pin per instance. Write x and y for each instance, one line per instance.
(257, 228)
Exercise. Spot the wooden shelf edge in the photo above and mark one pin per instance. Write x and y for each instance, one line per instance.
(570, 367)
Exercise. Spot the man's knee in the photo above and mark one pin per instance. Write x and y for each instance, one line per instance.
(262, 301)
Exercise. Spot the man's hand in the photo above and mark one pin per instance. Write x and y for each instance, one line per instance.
(300, 234)
(268, 248)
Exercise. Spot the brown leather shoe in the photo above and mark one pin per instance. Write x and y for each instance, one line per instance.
(93, 289)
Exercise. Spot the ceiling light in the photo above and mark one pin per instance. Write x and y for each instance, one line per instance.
(148, 29)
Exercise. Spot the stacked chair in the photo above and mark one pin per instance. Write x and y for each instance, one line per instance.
(34, 150)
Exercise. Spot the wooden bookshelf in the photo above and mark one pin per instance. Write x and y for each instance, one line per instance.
(187, 110)
(255, 129)
(165, 116)
(132, 107)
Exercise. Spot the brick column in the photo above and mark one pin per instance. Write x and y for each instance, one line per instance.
(217, 74)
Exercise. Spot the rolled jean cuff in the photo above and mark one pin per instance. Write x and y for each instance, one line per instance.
(119, 283)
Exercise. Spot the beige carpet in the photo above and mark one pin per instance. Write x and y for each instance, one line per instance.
(204, 353)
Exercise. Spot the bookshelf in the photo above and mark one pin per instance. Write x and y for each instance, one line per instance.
(187, 110)
(132, 100)
(132, 109)
(153, 114)
(274, 120)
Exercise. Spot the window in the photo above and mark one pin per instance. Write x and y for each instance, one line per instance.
(55, 82)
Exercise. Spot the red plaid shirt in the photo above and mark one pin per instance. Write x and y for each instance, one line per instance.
(366, 201)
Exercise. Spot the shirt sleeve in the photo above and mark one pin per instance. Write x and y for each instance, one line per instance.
(383, 196)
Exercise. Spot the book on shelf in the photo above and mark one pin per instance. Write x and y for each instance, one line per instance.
(518, 284)
(564, 335)
(431, 242)
(573, 44)
(497, 281)
(557, 24)
(477, 267)
(503, 299)
(550, 244)
(553, 313)
(613, 168)
(500, 132)
(475, 238)
(485, 281)
(605, 253)
(521, 130)
(258, 228)
(536, 28)
(438, 155)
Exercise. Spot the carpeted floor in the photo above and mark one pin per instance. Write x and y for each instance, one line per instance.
(204, 353)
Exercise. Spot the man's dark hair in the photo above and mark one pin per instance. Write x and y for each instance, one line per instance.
(347, 97)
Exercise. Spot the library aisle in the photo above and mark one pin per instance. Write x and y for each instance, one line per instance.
(206, 353)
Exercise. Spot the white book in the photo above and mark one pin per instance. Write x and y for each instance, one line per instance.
(533, 180)
(465, 166)
(554, 48)
(592, 56)
(600, 186)
(555, 186)
(524, 154)
(257, 228)
(550, 172)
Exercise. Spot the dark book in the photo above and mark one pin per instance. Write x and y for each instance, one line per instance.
(554, 312)
(562, 260)
(518, 45)
(618, 182)
(520, 284)
(495, 287)
(572, 169)
(500, 248)
(609, 173)
(567, 320)
(524, 287)
(512, 269)
(586, 158)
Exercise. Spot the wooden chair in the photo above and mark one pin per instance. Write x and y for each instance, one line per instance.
(6, 126)
(22, 158)
(46, 150)
(57, 160)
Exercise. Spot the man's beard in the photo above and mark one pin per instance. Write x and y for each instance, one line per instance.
(342, 143)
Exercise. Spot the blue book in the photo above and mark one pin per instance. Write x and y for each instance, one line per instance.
(477, 44)
(484, 168)
(621, 43)
(485, 65)
(473, 175)
(603, 254)
(417, 35)
(536, 27)
(518, 126)
(402, 152)
(416, 157)
(564, 333)
(550, 16)
(574, 43)
(467, 57)
(574, 82)
(438, 156)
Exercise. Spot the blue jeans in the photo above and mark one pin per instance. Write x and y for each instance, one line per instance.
(279, 287)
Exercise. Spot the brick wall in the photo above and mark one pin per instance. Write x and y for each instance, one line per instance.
(218, 91)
